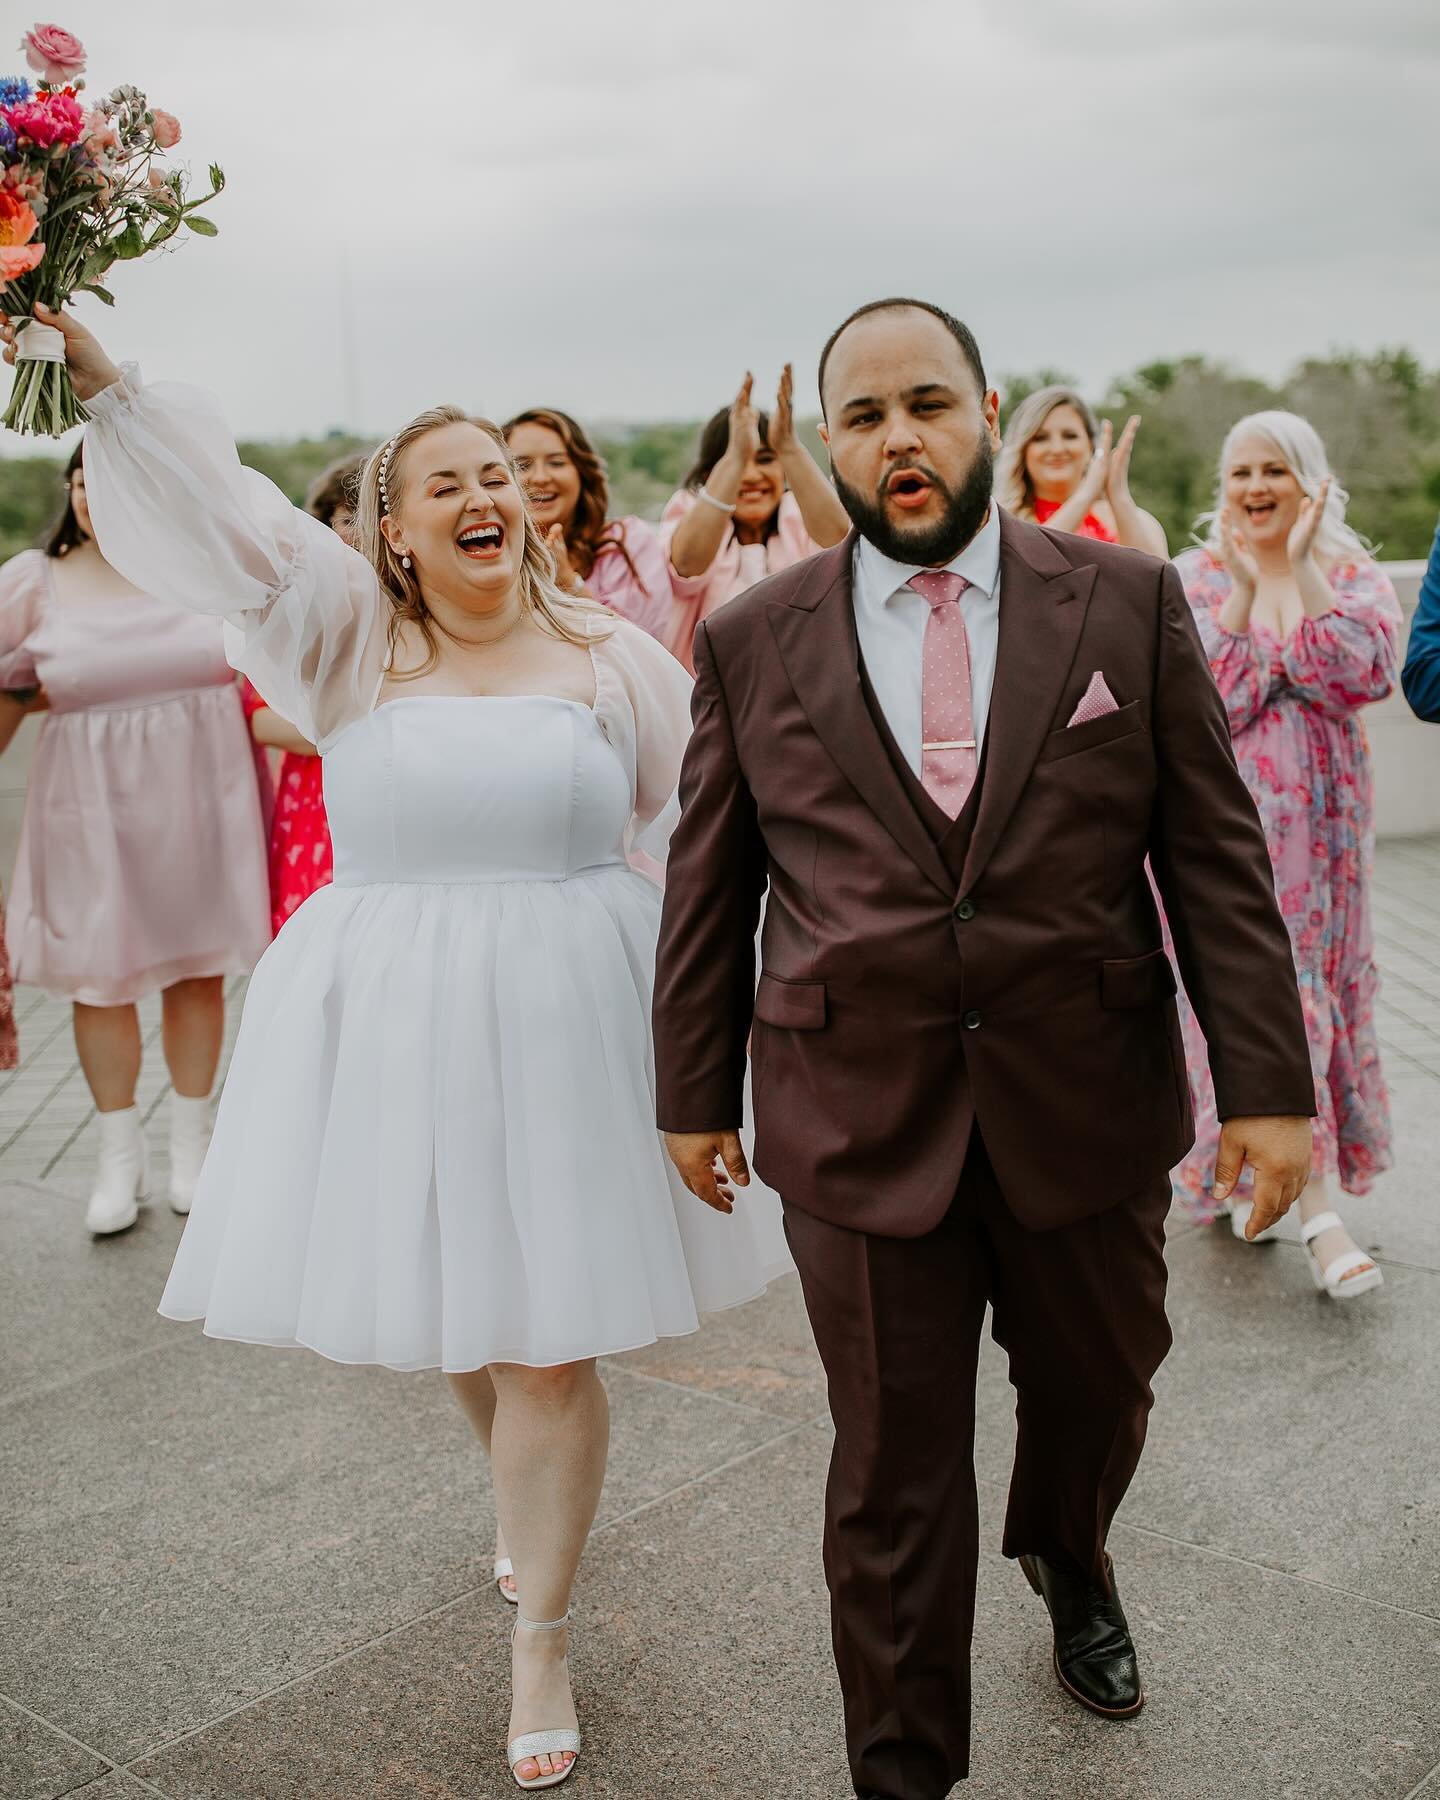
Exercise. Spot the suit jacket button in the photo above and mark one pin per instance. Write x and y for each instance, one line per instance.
(971, 1021)
(965, 910)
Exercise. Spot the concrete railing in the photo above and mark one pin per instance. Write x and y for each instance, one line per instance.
(1406, 752)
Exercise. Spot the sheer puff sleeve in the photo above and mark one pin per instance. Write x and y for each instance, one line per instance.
(642, 701)
(178, 516)
(1241, 672)
(24, 581)
(1350, 657)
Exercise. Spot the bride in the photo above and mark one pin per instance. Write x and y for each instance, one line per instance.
(437, 1145)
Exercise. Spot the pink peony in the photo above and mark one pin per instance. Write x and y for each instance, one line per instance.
(55, 54)
(167, 130)
(49, 119)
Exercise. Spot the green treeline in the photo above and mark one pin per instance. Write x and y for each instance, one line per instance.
(1379, 416)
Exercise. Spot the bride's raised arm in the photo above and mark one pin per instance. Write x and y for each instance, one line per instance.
(176, 513)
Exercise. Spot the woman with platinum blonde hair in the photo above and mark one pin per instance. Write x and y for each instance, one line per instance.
(1301, 627)
(1059, 468)
(437, 1146)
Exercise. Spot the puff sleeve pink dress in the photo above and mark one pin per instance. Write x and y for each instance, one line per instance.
(632, 576)
(142, 853)
(1294, 708)
(437, 1142)
(736, 567)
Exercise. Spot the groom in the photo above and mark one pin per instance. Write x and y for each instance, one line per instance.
(948, 746)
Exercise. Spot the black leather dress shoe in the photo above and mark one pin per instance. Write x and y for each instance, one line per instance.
(1094, 1657)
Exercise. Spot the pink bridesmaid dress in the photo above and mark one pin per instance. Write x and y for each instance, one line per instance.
(142, 854)
(736, 567)
(632, 576)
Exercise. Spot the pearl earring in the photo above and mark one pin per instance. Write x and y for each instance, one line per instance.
(404, 562)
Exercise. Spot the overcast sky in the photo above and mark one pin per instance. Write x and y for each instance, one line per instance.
(617, 206)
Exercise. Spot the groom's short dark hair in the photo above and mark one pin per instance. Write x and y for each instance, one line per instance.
(962, 334)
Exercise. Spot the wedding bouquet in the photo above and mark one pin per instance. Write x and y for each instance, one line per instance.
(81, 188)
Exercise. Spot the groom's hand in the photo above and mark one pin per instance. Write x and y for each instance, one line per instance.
(695, 1154)
(1280, 1150)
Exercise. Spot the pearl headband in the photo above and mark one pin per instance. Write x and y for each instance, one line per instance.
(385, 464)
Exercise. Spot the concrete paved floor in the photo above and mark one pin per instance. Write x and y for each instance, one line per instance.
(229, 1572)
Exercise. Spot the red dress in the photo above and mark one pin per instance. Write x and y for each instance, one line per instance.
(301, 858)
(1091, 526)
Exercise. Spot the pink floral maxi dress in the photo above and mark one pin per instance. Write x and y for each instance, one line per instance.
(1294, 711)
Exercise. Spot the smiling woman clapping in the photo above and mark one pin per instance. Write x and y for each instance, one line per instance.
(755, 502)
(1060, 468)
(1301, 627)
(437, 1145)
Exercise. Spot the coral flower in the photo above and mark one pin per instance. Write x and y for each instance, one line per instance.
(18, 223)
(56, 55)
(166, 128)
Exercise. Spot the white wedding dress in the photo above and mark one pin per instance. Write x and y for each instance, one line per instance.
(436, 1144)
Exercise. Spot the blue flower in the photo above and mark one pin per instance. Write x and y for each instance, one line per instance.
(7, 135)
(14, 89)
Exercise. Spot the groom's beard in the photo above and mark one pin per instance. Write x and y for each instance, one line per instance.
(928, 545)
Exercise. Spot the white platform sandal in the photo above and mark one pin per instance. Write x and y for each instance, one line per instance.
(504, 1567)
(1331, 1279)
(543, 1743)
(1240, 1217)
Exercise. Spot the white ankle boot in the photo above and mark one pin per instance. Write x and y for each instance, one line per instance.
(189, 1140)
(120, 1182)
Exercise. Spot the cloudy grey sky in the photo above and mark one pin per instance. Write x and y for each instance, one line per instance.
(617, 206)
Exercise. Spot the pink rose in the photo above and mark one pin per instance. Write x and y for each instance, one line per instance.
(101, 137)
(55, 54)
(167, 130)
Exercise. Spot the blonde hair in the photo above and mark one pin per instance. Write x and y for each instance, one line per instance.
(382, 483)
(1012, 485)
(1299, 446)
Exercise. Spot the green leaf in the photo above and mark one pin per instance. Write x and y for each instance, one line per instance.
(217, 177)
(203, 227)
(100, 293)
(130, 243)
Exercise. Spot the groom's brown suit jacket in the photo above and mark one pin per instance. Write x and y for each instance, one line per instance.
(898, 1006)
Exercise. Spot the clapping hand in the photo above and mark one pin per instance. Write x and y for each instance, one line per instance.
(744, 425)
(1093, 482)
(1117, 478)
(566, 576)
(91, 370)
(1237, 556)
(782, 420)
(1301, 540)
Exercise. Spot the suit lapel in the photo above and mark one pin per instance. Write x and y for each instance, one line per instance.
(815, 635)
(1043, 602)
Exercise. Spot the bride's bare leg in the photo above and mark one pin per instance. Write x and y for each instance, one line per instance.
(476, 1393)
(549, 1439)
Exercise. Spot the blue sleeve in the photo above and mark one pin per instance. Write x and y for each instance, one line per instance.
(1420, 677)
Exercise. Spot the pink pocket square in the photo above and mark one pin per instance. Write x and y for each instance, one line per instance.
(1096, 701)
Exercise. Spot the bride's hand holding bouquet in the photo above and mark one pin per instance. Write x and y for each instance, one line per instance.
(81, 188)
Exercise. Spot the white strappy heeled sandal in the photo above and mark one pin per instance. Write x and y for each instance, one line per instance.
(1331, 1279)
(1240, 1213)
(543, 1743)
(504, 1567)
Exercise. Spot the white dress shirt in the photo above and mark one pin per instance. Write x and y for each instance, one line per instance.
(890, 620)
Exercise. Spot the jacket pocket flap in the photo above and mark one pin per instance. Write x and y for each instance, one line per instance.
(793, 1005)
(1124, 722)
(1137, 980)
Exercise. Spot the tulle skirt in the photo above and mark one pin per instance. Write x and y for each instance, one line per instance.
(437, 1146)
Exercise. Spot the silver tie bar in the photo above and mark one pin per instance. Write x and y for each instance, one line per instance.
(953, 744)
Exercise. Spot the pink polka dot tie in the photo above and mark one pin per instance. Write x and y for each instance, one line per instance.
(947, 716)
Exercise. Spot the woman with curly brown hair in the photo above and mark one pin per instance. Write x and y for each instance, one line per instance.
(618, 562)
